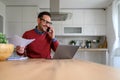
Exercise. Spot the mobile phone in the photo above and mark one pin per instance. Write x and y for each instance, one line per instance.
(48, 29)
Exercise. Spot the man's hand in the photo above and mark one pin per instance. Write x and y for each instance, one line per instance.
(20, 50)
(51, 32)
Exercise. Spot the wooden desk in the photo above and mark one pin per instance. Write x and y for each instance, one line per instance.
(41, 69)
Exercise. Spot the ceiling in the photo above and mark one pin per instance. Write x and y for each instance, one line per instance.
(63, 3)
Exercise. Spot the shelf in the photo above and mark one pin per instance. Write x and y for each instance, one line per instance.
(93, 49)
(71, 35)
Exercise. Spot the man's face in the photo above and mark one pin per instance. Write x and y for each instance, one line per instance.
(44, 23)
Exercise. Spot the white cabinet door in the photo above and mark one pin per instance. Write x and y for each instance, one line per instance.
(101, 30)
(89, 30)
(78, 17)
(14, 28)
(97, 57)
(28, 26)
(98, 30)
(100, 18)
(14, 21)
(19, 19)
(95, 22)
(95, 16)
(14, 14)
(29, 14)
(29, 18)
(58, 28)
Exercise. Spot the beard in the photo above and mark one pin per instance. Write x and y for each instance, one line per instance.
(42, 27)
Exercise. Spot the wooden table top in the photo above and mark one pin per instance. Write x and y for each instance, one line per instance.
(67, 69)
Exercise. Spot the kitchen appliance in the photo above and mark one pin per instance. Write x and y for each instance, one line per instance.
(56, 15)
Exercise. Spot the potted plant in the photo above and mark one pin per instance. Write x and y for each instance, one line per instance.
(6, 49)
(72, 42)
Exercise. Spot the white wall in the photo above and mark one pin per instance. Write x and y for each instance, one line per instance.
(110, 30)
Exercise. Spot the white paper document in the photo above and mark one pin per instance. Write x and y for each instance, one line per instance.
(19, 41)
(17, 58)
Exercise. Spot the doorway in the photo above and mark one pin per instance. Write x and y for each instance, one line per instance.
(1, 24)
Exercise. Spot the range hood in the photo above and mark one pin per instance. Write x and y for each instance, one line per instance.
(56, 15)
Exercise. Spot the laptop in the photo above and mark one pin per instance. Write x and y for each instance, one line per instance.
(65, 52)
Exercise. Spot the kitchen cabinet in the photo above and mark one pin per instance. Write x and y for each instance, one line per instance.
(95, 22)
(78, 17)
(72, 30)
(14, 14)
(21, 14)
(91, 21)
(58, 28)
(91, 29)
(14, 28)
(20, 19)
(75, 21)
(97, 55)
(29, 14)
(95, 16)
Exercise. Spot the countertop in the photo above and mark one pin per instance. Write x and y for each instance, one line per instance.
(93, 49)
(65, 69)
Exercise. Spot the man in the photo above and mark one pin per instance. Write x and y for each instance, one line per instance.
(44, 36)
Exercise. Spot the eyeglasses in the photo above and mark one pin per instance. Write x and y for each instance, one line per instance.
(47, 22)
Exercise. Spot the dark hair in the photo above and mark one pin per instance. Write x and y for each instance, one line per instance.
(40, 15)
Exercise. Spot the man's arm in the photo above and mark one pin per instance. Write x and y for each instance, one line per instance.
(54, 44)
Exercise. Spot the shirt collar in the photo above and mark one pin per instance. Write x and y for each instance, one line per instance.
(38, 31)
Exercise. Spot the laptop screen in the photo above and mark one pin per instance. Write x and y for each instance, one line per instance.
(65, 52)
